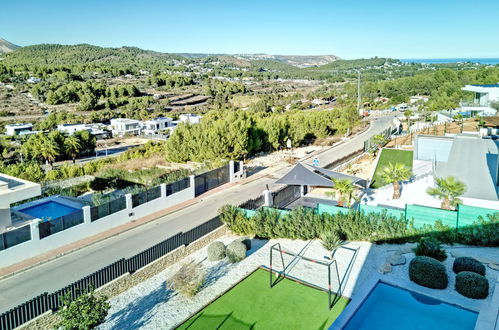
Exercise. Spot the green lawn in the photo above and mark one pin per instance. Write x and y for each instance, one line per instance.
(252, 304)
(390, 156)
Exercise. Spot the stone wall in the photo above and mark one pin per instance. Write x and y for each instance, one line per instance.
(127, 281)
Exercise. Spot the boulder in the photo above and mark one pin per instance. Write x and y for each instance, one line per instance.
(386, 268)
(396, 259)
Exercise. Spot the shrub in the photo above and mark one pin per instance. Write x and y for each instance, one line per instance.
(85, 312)
(188, 280)
(428, 272)
(216, 251)
(246, 241)
(472, 285)
(430, 248)
(468, 264)
(331, 240)
(236, 251)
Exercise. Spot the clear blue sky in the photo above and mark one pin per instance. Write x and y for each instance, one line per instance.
(347, 28)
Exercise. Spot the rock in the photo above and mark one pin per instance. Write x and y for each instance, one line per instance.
(406, 249)
(386, 268)
(396, 259)
(493, 266)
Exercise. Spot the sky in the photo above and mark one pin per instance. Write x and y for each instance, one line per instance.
(346, 28)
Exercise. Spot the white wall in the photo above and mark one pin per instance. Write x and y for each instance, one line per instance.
(88, 228)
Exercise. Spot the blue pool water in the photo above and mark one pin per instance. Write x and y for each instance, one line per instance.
(48, 210)
(389, 307)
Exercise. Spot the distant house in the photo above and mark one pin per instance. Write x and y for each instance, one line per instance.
(124, 126)
(319, 102)
(418, 98)
(70, 129)
(18, 129)
(469, 158)
(190, 118)
(157, 125)
(33, 80)
(484, 96)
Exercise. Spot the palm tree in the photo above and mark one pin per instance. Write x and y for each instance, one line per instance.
(48, 150)
(378, 141)
(344, 187)
(72, 146)
(407, 115)
(448, 190)
(394, 173)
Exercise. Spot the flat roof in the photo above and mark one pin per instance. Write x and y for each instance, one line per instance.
(13, 190)
(473, 161)
(486, 85)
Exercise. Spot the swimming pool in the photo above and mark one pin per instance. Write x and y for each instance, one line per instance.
(48, 210)
(390, 307)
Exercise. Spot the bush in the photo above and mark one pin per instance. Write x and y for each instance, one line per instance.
(468, 264)
(428, 272)
(430, 248)
(85, 312)
(472, 285)
(331, 240)
(246, 241)
(236, 251)
(216, 251)
(188, 280)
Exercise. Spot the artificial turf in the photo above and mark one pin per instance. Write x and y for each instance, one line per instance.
(390, 156)
(252, 304)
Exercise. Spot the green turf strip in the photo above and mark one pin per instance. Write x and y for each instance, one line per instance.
(390, 156)
(252, 304)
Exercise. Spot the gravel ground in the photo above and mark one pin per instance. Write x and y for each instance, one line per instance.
(150, 305)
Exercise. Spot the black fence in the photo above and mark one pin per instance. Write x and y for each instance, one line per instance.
(212, 179)
(177, 186)
(146, 196)
(254, 203)
(14, 237)
(45, 302)
(50, 227)
(103, 210)
(285, 196)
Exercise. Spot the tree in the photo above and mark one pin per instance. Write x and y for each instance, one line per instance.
(85, 312)
(344, 188)
(459, 117)
(378, 141)
(394, 173)
(72, 146)
(49, 150)
(408, 114)
(448, 190)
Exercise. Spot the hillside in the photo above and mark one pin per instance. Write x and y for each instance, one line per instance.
(55, 54)
(7, 47)
(300, 61)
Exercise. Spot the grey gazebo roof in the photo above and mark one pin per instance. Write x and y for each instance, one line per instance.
(307, 175)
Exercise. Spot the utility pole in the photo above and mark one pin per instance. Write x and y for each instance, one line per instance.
(358, 94)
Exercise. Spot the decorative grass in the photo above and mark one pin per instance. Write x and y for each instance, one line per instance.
(252, 304)
(390, 156)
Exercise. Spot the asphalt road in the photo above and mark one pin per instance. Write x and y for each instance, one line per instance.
(55, 274)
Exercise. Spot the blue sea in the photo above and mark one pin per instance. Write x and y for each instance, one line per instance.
(490, 61)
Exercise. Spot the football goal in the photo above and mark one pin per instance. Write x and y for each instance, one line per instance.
(315, 269)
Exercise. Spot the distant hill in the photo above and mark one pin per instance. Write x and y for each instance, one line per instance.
(7, 47)
(55, 54)
(299, 61)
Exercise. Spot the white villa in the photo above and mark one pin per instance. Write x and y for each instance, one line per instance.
(70, 129)
(125, 126)
(484, 96)
(13, 190)
(18, 129)
(157, 125)
(190, 118)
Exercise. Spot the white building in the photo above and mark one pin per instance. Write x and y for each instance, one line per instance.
(13, 190)
(481, 104)
(70, 129)
(157, 125)
(418, 98)
(33, 80)
(18, 129)
(125, 126)
(190, 118)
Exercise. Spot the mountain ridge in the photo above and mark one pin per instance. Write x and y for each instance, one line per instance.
(7, 47)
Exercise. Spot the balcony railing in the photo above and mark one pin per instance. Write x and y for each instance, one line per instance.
(472, 104)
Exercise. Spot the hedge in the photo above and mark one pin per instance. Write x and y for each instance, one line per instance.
(304, 223)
